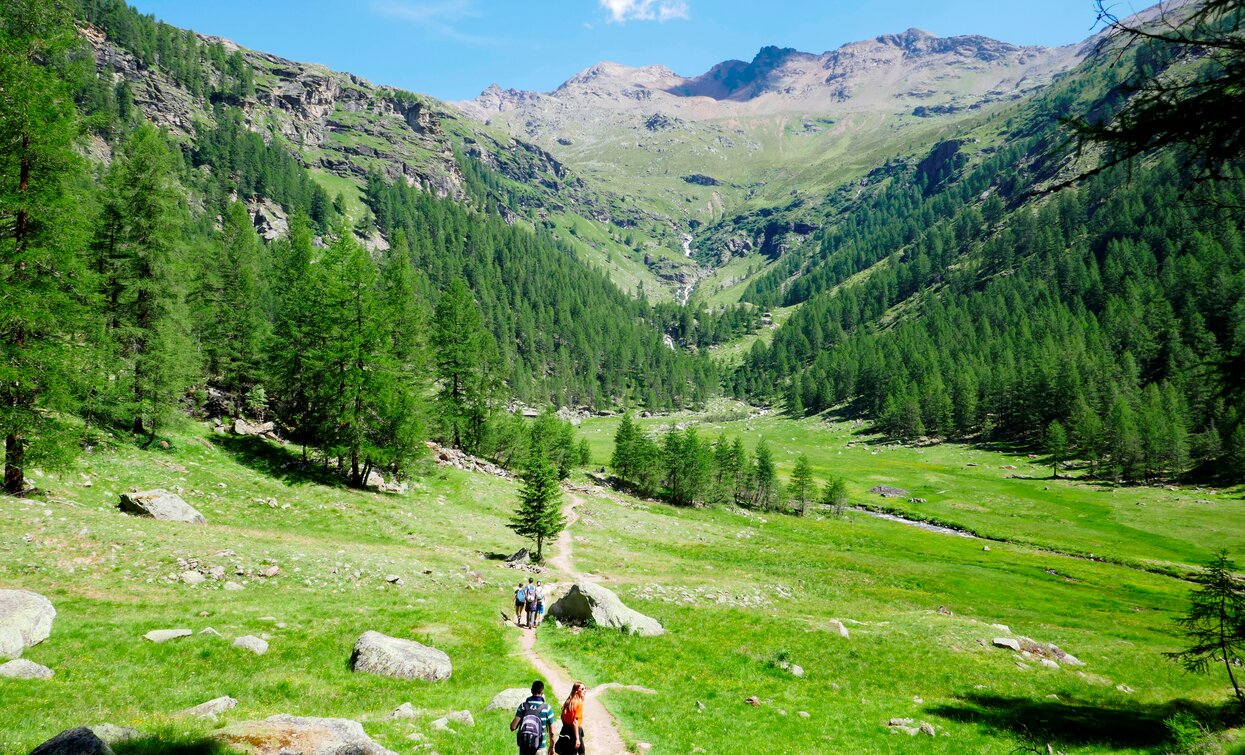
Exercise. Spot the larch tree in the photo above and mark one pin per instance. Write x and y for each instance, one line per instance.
(43, 314)
(466, 356)
(1215, 623)
(539, 515)
(802, 487)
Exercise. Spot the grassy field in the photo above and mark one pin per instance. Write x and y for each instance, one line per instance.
(739, 592)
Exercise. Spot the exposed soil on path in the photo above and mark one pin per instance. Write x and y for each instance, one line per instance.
(601, 736)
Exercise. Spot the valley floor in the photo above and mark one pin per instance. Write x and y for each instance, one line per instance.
(741, 594)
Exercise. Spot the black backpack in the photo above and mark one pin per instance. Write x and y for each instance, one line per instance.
(530, 726)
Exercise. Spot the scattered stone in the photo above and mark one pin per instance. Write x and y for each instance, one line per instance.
(268, 572)
(192, 578)
(375, 653)
(406, 710)
(306, 736)
(643, 747)
(164, 635)
(1048, 663)
(393, 579)
(1121, 687)
(886, 491)
(586, 602)
(521, 556)
(452, 457)
(985, 548)
(251, 643)
(803, 714)
(160, 504)
(797, 671)
(928, 729)
(462, 717)
(700, 706)
(945, 611)
(212, 708)
(1007, 642)
(79, 741)
(115, 734)
(754, 701)
(918, 699)
(442, 724)
(210, 632)
(25, 621)
(916, 500)
(1002, 628)
(508, 699)
(838, 626)
(233, 586)
(242, 427)
(21, 668)
(217, 573)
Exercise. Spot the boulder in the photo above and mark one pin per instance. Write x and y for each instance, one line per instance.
(290, 735)
(192, 578)
(25, 620)
(160, 504)
(212, 708)
(242, 427)
(164, 635)
(521, 556)
(79, 741)
(463, 717)
(587, 602)
(886, 491)
(406, 710)
(1007, 642)
(24, 669)
(115, 734)
(508, 699)
(251, 643)
(375, 653)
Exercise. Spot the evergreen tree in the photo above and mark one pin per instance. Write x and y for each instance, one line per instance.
(43, 320)
(295, 333)
(466, 357)
(1215, 622)
(764, 478)
(802, 487)
(233, 301)
(1056, 445)
(141, 258)
(624, 459)
(834, 495)
(539, 515)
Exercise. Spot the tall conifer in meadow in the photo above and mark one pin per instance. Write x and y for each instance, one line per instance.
(44, 321)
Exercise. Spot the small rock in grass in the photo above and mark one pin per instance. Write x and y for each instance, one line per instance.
(1124, 688)
(838, 626)
(24, 669)
(165, 635)
(803, 714)
(251, 643)
(212, 708)
(754, 701)
(406, 710)
(192, 578)
(209, 632)
(797, 670)
(1048, 663)
(233, 586)
(115, 734)
(442, 724)
(270, 571)
(1007, 642)
(461, 717)
(928, 729)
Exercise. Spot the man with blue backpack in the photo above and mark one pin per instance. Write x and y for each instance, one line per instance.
(533, 723)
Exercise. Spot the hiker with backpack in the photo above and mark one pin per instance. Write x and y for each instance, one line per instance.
(533, 723)
(529, 603)
(540, 603)
(571, 740)
(519, 601)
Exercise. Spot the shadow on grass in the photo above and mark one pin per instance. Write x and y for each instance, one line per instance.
(280, 462)
(172, 745)
(1072, 723)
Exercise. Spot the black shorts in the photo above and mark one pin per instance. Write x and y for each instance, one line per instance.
(566, 742)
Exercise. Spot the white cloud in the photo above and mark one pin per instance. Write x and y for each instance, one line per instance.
(621, 11)
(440, 17)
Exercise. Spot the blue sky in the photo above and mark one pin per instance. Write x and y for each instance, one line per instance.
(454, 48)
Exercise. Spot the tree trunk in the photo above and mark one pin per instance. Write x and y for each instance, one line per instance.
(137, 427)
(14, 470)
(540, 548)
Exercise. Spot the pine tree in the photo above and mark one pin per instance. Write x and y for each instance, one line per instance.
(234, 301)
(1215, 622)
(623, 459)
(466, 357)
(539, 515)
(764, 477)
(801, 488)
(295, 333)
(43, 320)
(141, 258)
(834, 495)
(1056, 445)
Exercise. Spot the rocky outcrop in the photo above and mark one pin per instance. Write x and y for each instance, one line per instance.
(24, 669)
(375, 653)
(160, 504)
(291, 735)
(452, 457)
(25, 621)
(212, 708)
(79, 741)
(587, 603)
(888, 491)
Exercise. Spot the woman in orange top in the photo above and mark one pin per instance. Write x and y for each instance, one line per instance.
(571, 740)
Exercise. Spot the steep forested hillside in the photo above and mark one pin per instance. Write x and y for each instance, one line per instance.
(955, 298)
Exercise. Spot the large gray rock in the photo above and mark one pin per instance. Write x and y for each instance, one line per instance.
(375, 653)
(591, 602)
(24, 669)
(509, 699)
(79, 741)
(25, 620)
(291, 735)
(252, 643)
(114, 734)
(212, 708)
(160, 504)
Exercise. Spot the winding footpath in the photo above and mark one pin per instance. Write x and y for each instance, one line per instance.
(601, 735)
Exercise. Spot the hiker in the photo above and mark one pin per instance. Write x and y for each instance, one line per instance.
(540, 603)
(533, 723)
(571, 740)
(529, 603)
(519, 601)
